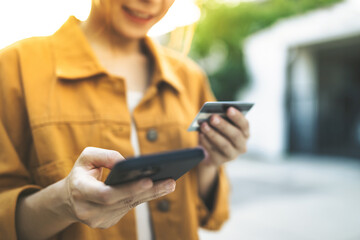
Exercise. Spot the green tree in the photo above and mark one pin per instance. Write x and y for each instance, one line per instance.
(222, 29)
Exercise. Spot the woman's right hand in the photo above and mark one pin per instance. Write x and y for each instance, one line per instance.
(92, 202)
(82, 197)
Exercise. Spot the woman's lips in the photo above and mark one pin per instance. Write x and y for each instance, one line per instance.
(137, 16)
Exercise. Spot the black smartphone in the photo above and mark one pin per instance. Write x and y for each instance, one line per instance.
(220, 108)
(158, 166)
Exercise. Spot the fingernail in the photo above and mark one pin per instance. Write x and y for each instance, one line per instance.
(146, 184)
(215, 120)
(170, 186)
(205, 127)
(232, 111)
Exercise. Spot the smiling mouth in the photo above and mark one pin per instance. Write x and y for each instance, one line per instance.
(137, 14)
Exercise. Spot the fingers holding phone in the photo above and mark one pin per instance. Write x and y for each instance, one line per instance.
(98, 205)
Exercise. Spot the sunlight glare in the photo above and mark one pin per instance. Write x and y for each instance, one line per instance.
(181, 13)
(21, 19)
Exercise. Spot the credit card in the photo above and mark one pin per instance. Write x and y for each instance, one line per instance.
(220, 108)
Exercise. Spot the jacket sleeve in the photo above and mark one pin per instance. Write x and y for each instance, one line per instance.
(15, 141)
(214, 219)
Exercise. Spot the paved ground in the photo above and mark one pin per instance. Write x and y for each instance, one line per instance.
(299, 198)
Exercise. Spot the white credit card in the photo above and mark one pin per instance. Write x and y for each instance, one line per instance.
(220, 108)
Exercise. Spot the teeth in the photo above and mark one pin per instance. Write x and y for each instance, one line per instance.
(140, 15)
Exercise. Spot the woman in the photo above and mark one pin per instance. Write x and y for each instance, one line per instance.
(103, 83)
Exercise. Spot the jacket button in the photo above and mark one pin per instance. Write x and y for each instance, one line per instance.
(152, 135)
(163, 205)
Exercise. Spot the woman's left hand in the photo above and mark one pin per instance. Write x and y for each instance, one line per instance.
(222, 140)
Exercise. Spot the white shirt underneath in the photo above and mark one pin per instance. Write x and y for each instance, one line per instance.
(142, 213)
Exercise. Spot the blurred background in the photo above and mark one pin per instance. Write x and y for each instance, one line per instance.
(299, 62)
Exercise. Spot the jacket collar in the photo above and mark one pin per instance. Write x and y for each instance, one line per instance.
(75, 60)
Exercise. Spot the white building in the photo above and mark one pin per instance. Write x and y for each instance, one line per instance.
(305, 75)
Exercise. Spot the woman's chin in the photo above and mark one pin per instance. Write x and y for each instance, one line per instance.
(131, 34)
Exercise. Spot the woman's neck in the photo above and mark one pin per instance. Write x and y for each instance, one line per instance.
(120, 56)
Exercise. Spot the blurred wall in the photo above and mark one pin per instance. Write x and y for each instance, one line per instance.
(283, 54)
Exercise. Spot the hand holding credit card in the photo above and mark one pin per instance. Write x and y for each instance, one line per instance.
(220, 108)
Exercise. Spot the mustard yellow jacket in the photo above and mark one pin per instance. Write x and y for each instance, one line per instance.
(56, 99)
